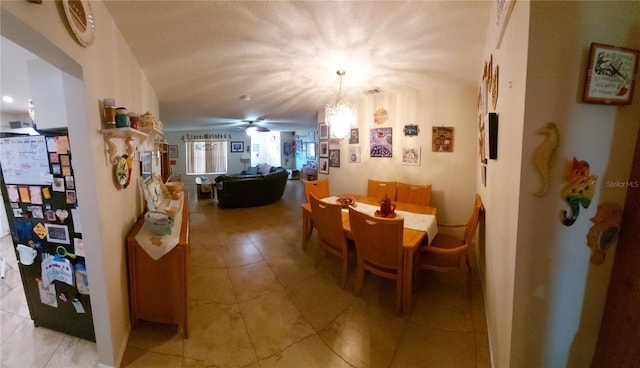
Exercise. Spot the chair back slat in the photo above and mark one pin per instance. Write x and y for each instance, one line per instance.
(327, 219)
(378, 189)
(318, 187)
(378, 240)
(416, 194)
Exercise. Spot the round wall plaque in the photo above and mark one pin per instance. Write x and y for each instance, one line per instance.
(80, 18)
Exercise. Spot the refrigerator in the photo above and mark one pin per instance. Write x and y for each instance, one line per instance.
(39, 192)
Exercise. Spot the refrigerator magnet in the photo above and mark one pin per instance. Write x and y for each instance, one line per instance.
(58, 184)
(12, 192)
(24, 194)
(46, 193)
(35, 194)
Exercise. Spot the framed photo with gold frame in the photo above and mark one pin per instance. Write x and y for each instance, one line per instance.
(611, 75)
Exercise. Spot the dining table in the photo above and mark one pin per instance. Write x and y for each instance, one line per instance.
(420, 227)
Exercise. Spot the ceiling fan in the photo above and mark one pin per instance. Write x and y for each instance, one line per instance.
(252, 126)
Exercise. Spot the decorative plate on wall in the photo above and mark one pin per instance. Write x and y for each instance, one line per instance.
(80, 18)
(122, 171)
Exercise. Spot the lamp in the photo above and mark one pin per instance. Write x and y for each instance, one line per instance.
(245, 157)
(340, 115)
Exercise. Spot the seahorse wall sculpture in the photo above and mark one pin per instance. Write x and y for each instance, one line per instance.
(579, 190)
(543, 154)
(604, 231)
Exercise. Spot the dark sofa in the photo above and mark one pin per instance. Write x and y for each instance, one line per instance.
(249, 190)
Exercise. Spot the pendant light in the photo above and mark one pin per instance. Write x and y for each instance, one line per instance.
(340, 115)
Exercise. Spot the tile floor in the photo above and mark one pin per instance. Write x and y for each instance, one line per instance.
(257, 300)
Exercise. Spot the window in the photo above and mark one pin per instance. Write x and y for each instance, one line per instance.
(206, 157)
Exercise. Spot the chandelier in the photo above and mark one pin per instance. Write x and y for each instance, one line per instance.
(340, 115)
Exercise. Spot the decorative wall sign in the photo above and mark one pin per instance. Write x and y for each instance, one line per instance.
(442, 139)
(381, 142)
(334, 158)
(411, 156)
(411, 130)
(604, 232)
(610, 75)
(543, 154)
(579, 190)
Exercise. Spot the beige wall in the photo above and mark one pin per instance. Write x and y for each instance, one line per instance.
(544, 299)
(452, 174)
(108, 69)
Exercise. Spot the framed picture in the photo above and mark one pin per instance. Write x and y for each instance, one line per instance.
(354, 154)
(173, 151)
(311, 150)
(237, 146)
(442, 139)
(334, 158)
(324, 131)
(324, 149)
(57, 233)
(381, 142)
(411, 156)
(410, 130)
(354, 138)
(610, 75)
(146, 164)
(323, 165)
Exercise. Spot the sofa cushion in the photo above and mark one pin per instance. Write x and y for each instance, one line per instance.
(264, 169)
(252, 170)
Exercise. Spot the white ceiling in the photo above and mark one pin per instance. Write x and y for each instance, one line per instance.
(201, 56)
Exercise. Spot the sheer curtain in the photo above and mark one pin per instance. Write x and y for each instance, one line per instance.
(206, 157)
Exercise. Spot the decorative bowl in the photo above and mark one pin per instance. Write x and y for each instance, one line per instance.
(171, 210)
(174, 186)
(345, 202)
(158, 223)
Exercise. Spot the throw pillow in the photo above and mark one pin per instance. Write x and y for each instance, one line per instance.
(264, 169)
(252, 170)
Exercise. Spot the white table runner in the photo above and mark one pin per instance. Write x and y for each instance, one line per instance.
(412, 220)
(157, 246)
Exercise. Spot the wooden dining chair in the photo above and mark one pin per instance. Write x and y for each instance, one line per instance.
(327, 219)
(378, 249)
(321, 190)
(450, 253)
(378, 189)
(416, 194)
(318, 187)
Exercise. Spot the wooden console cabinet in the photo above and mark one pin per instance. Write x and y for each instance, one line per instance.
(158, 288)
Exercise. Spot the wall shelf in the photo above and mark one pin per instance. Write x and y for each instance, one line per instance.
(129, 135)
